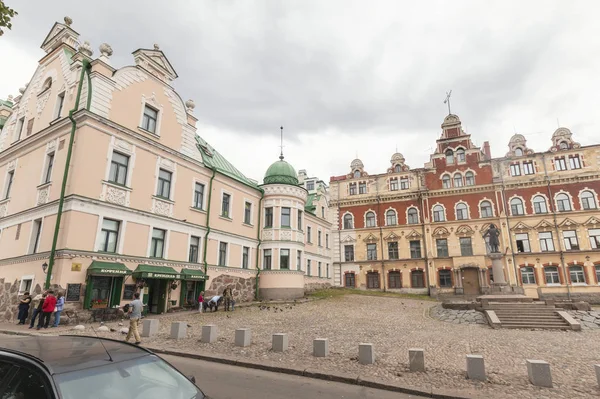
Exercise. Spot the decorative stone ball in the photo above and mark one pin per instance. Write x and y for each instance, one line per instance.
(106, 50)
(68, 21)
(22, 90)
(86, 48)
(156, 47)
(190, 104)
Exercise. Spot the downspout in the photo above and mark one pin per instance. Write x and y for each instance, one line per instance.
(340, 223)
(379, 215)
(84, 69)
(422, 201)
(262, 195)
(561, 252)
(205, 249)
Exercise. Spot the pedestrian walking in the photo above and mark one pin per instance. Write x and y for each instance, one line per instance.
(47, 310)
(24, 303)
(227, 297)
(135, 314)
(38, 302)
(60, 303)
(201, 302)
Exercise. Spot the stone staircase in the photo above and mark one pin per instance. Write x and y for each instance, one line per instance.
(528, 315)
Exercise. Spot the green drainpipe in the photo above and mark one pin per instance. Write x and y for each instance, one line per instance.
(214, 172)
(85, 69)
(262, 195)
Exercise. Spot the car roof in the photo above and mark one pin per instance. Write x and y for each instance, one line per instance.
(61, 354)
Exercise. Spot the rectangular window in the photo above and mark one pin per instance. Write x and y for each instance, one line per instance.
(60, 101)
(198, 196)
(222, 254)
(371, 251)
(392, 250)
(9, 181)
(25, 285)
(442, 247)
(225, 205)
(269, 217)
(308, 272)
(394, 280)
(445, 278)
(267, 259)
(404, 184)
(523, 242)
(319, 238)
(310, 185)
(417, 279)
(164, 184)
(30, 126)
(285, 217)
(245, 257)
(300, 220)
(515, 169)
(546, 242)
(349, 280)
(372, 280)
(109, 235)
(528, 168)
(19, 128)
(48, 167)
(35, 236)
(299, 260)
(577, 275)
(362, 188)
(149, 119)
(319, 269)
(575, 162)
(394, 184)
(527, 275)
(323, 212)
(157, 245)
(570, 239)
(326, 240)
(248, 213)
(560, 164)
(551, 274)
(119, 165)
(466, 249)
(327, 270)
(352, 188)
(194, 249)
(594, 239)
(284, 258)
(309, 234)
(349, 253)
(415, 249)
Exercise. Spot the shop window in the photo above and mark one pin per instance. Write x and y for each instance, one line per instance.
(101, 291)
(445, 278)
(394, 279)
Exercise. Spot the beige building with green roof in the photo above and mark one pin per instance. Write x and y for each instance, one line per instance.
(106, 189)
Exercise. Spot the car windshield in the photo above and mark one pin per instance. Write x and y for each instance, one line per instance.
(148, 377)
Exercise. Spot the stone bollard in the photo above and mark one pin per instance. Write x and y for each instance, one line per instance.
(149, 327)
(243, 336)
(539, 373)
(597, 367)
(321, 347)
(209, 334)
(475, 368)
(366, 354)
(178, 330)
(280, 342)
(416, 359)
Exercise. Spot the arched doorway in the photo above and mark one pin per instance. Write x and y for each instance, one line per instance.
(470, 280)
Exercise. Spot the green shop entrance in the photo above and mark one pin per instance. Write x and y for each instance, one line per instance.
(155, 281)
(104, 284)
(193, 282)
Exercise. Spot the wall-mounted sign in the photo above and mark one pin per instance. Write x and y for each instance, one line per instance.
(73, 292)
(75, 267)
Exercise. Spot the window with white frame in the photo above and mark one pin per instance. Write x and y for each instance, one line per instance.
(577, 275)
(163, 188)
(560, 164)
(588, 201)
(300, 220)
(198, 196)
(284, 258)
(445, 278)
(370, 219)
(348, 222)
(194, 249)
(594, 238)
(393, 184)
(563, 202)
(371, 251)
(149, 119)
(515, 169)
(446, 182)
(299, 260)
(439, 214)
(390, 218)
(362, 188)
(248, 212)
(516, 207)
(348, 253)
(26, 284)
(551, 275)
(527, 275)
(226, 205)
(486, 209)
(470, 179)
(119, 165)
(539, 204)
(109, 235)
(528, 168)
(415, 249)
(245, 257)
(570, 240)
(412, 216)
(462, 212)
(441, 245)
(286, 217)
(268, 217)
(157, 243)
(466, 246)
(460, 155)
(458, 180)
(404, 184)
(48, 166)
(393, 250)
(223, 253)
(522, 240)
(546, 241)
(35, 236)
(267, 257)
(352, 188)
(575, 162)
(449, 157)
(310, 185)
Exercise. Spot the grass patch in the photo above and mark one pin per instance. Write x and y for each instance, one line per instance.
(340, 292)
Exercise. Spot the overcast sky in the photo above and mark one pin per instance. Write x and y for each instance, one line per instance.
(347, 77)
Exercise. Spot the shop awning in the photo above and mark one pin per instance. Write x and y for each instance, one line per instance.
(161, 272)
(192, 274)
(98, 268)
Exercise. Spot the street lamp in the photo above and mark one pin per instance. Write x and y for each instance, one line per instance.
(44, 267)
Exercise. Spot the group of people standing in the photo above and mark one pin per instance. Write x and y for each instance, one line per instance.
(215, 301)
(44, 305)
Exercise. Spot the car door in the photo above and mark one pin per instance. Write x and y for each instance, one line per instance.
(24, 382)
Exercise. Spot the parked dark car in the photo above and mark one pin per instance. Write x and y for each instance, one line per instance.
(76, 367)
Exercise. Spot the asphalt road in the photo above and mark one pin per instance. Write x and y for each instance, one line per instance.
(220, 381)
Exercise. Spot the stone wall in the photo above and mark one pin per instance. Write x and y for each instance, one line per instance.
(243, 288)
(591, 298)
(313, 286)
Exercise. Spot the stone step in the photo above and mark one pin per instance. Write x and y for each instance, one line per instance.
(528, 312)
(519, 317)
(549, 327)
(539, 323)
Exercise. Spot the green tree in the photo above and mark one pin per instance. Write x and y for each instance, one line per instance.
(6, 13)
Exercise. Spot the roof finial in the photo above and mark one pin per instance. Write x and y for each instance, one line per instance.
(281, 146)
(447, 100)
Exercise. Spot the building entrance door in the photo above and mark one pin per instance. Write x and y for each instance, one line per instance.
(471, 281)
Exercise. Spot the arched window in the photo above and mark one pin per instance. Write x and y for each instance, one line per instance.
(370, 218)
(390, 218)
(397, 168)
(539, 204)
(458, 180)
(577, 275)
(470, 179)
(551, 275)
(587, 200)
(563, 145)
(413, 216)
(438, 213)
(518, 152)
(356, 174)
(563, 203)
(460, 155)
(516, 207)
(446, 181)
(47, 84)
(462, 212)
(449, 157)
(417, 279)
(486, 209)
(527, 275)
(348, 221)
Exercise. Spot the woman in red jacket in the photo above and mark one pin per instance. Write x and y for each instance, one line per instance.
(47, 310)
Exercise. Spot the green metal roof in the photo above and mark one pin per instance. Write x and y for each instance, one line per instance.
(160, 272)
(281, 172)
(212, 158)
(7, 103)
(98, 268)
(192, 274)
(68, 53)
(310, 206)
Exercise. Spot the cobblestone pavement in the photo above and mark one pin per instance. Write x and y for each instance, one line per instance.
(588, 320)
(394, 325)
(457, 316)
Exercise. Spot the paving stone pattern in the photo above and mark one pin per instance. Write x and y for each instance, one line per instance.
(394, 325)
(590, 320)
(457, 316)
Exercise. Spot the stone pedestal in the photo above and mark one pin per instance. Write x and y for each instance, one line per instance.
(209, 334)
(178, 330)
(475, 368)
(243, 337)
(280, 342)
(497, 269)
(321, 347)
(149, 327)
(416, 359)
(366, 354)
(539, 373)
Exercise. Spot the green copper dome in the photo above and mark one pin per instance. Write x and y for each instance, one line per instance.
(281, 172)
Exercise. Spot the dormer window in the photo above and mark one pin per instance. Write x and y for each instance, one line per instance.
(518, 152)
(449, 157)
(397, 169)
(356, 174)
(563, 145)
(460, 155)
(149, 119)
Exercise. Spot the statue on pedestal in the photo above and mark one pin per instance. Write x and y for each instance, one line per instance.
(494, 238)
